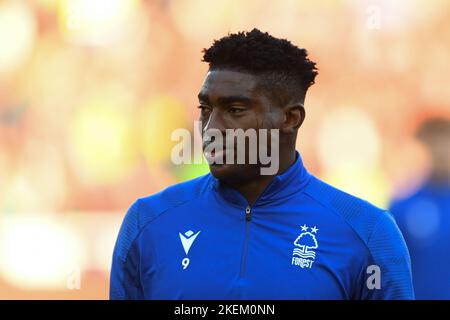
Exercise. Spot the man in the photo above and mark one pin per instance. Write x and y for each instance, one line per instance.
(424, 216)
(237, 233)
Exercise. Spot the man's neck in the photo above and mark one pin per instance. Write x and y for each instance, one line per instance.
(251, 190)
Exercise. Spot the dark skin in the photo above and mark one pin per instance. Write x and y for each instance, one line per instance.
(235, 100)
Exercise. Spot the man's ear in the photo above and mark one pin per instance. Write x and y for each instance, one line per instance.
(294, 114)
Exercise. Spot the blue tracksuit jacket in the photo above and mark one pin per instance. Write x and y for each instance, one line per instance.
(302, 239)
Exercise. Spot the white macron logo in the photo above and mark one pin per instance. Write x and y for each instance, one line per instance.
(304, 255)
(187, 239)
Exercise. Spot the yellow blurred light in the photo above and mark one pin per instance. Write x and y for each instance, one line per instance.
(367, 183)
(47, 4)
(158, 120)
(349, 151)
(95, 21)
(17, 34)
(348, 137)
(101, 136)
(38, 252)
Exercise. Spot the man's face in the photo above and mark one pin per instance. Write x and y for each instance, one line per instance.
(233, 100)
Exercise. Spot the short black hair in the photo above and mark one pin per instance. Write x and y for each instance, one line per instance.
(286, 70)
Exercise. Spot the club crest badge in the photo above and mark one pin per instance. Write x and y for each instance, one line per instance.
(304, 253)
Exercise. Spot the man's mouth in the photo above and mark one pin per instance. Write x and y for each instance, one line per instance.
(215, 156)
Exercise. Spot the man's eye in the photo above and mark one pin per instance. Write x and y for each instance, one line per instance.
(204, 109)
(236, 110)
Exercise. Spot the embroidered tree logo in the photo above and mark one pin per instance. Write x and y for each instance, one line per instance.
(306, 241)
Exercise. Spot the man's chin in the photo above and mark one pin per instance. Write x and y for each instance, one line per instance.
(222, 171)
(231, 173)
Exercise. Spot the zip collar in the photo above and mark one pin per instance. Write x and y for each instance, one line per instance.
(282, 186)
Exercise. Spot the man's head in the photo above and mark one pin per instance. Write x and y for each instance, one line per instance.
(435, 134)
(255, 81)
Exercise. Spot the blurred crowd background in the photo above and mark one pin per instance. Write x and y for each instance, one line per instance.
(90, 91)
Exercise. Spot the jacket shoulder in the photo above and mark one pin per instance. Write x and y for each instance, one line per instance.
(172, 196)
(146, 209)
(380, 234)
(359, 214)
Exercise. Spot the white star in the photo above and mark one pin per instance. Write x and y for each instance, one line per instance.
(304, 227)
(314, 229)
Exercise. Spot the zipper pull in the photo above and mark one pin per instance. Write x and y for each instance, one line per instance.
(248, 213)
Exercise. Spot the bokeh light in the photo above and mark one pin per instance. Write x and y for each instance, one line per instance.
(33, 188)
(17, 34)
(158, 119)
(349, 151)
(95, 21)
(348, 138)
(91, 91)
(101, 137)
(38, 251)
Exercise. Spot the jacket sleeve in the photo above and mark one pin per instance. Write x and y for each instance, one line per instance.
(125, 271)
(388, 277)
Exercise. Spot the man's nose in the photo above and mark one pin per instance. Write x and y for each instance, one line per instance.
(215, 122)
